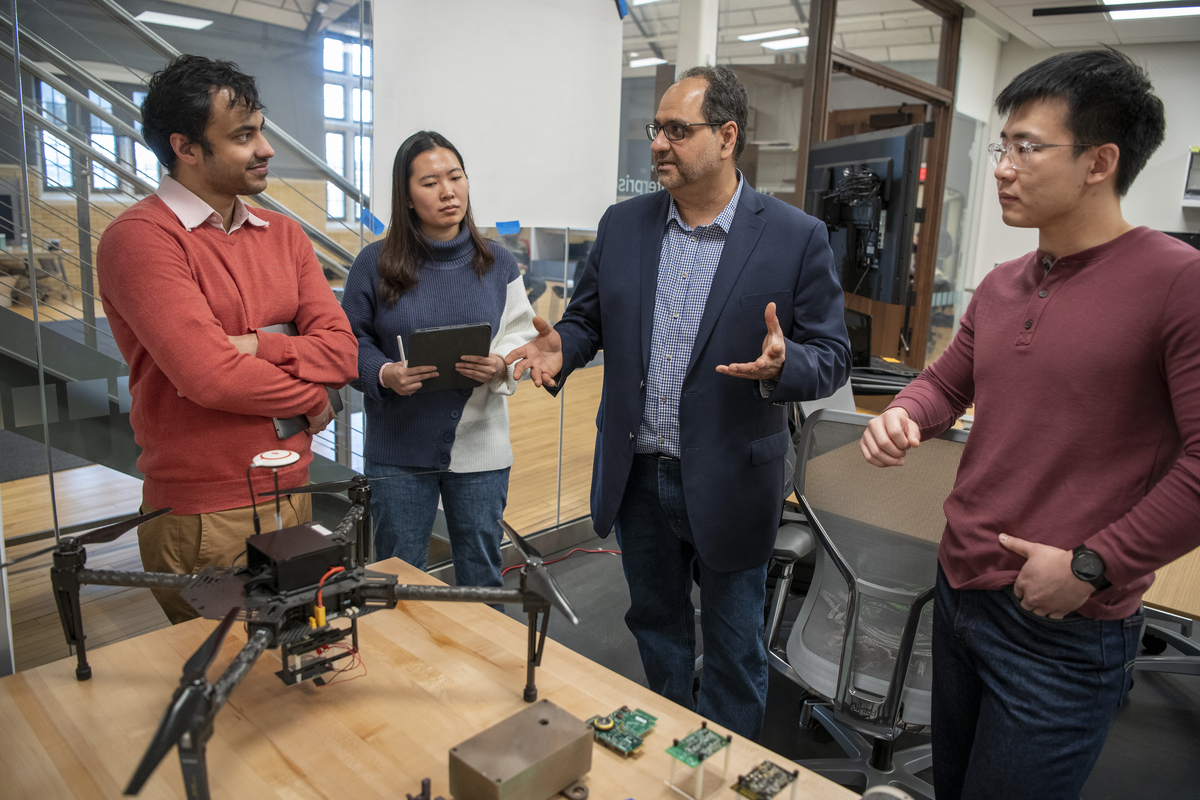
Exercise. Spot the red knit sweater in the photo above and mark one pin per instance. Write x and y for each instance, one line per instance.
(201, 410)
(1086, 382)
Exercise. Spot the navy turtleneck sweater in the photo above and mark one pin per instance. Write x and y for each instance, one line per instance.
(420, 430)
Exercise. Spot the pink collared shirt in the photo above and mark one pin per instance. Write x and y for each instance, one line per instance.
(194, 212)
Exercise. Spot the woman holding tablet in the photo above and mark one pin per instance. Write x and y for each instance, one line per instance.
(434, 269)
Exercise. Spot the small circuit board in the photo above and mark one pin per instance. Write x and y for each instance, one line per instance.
(623, 730)
(695, 748)
(764, 781)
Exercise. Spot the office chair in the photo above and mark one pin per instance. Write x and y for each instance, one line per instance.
(878, 531)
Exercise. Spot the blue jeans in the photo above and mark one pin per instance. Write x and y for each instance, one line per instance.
(658, 553)
(404, 509)
(1021, 703)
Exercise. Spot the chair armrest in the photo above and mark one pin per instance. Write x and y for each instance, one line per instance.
(793, 541)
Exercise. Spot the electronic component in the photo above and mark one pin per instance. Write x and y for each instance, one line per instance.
(765, 781)
(623, 730)
(532, 755)
(698, 746)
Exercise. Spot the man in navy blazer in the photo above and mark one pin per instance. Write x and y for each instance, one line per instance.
(714, 305)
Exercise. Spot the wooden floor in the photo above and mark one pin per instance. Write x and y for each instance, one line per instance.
(95, 492)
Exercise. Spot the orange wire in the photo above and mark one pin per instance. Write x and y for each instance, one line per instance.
(320, 583)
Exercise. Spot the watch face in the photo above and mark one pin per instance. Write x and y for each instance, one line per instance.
(1087, 565)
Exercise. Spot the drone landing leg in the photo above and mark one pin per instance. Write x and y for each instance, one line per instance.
(536, 645)
(69, 559)
(194, 762)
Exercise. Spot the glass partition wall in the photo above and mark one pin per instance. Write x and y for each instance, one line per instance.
(72, 159)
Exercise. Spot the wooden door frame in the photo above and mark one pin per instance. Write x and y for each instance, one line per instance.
(823, 59)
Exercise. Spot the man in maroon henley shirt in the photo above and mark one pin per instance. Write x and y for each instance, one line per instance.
(1082, 472)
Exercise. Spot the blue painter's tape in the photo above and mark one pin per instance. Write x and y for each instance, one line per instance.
(505, 228)
(371, 221)
(622, 8)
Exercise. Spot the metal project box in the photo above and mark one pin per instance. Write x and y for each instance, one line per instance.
(532, 755)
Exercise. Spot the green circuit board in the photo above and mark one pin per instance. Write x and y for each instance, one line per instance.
(623, 730)
(764, 781)
(697, 746)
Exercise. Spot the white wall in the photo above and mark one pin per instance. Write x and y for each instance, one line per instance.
(1154, 198)
(529, 91)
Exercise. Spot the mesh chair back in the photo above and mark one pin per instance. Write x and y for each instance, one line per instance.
(886, 525)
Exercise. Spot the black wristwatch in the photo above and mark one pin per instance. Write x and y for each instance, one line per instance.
(1087, 565)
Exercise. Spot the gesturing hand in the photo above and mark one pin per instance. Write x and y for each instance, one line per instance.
(888, 437)
(404, 380)
(1046, 585)
(542, 357)
(768, 366)
(484, 369)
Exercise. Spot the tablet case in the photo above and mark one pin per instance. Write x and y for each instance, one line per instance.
(443, 347)
(288, 427)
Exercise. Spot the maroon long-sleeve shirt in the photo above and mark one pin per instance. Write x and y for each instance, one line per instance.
(1086, 381)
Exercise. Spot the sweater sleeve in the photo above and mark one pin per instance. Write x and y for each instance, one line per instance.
(360, 301)
(325, 352)
(946, 388)
(1165, 523)
(516, 329)
(141, 267)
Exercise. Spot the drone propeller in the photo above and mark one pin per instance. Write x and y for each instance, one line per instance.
(188, 707)
(537, 577)
(106, 534)
(333, 487)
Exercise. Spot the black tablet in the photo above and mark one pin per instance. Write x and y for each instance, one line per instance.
(443, 348)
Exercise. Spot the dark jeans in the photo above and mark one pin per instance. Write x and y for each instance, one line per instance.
(658, 554)
(1021, 703)
(404, 509)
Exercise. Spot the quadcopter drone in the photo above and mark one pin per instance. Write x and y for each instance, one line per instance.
(295, 584)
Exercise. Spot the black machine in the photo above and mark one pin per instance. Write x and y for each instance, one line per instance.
(864, 188)
(301, 589)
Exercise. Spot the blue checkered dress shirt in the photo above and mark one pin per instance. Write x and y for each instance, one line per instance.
(686, 267)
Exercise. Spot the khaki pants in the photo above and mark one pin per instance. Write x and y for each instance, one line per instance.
(185, 544)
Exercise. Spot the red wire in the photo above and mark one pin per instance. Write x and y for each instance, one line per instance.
(506, 570)
(320, 583)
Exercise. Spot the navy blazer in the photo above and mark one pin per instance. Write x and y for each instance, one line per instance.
(733, 440)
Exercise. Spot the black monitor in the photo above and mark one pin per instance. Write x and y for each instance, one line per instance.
(864, 187)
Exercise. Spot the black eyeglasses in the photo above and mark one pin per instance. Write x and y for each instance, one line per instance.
(674, 131)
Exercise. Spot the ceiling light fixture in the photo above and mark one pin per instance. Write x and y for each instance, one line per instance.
(1133, 9)
(787, 44)
(1150, 13)
(754, 37)
(173, 20)
(647, 62)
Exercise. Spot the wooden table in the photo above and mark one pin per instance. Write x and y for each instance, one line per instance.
(438, 673)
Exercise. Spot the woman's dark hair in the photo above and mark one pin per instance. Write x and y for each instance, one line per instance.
(1109, 100)
(724, 100)
(405, 246)
(180, 100)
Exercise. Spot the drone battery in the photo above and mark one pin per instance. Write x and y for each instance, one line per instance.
(534, 754)
(296, 557)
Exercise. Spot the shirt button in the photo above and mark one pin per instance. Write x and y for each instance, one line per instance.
(674, 316)
(631, 437)
(664, 398)
(466, 392)
(643, 386)
(453, 415)
(445, 458)
(661, 440)
(685, 274)
(1028, 324)
(668, 358)
(1043, 293)
(448, 437)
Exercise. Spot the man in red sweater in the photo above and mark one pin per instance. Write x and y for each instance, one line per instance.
(189, 278)
(1082, 472)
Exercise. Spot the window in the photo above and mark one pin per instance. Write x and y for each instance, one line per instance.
(56, 154)
(335, 156)
(334, 50)
(144, 161)
(335, 101)
(360, 104)
(355, 53)
(105, 140)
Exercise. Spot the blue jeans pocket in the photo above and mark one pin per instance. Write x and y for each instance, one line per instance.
(1070, 619)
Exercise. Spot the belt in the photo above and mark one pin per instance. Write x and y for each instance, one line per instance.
(659, 456)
